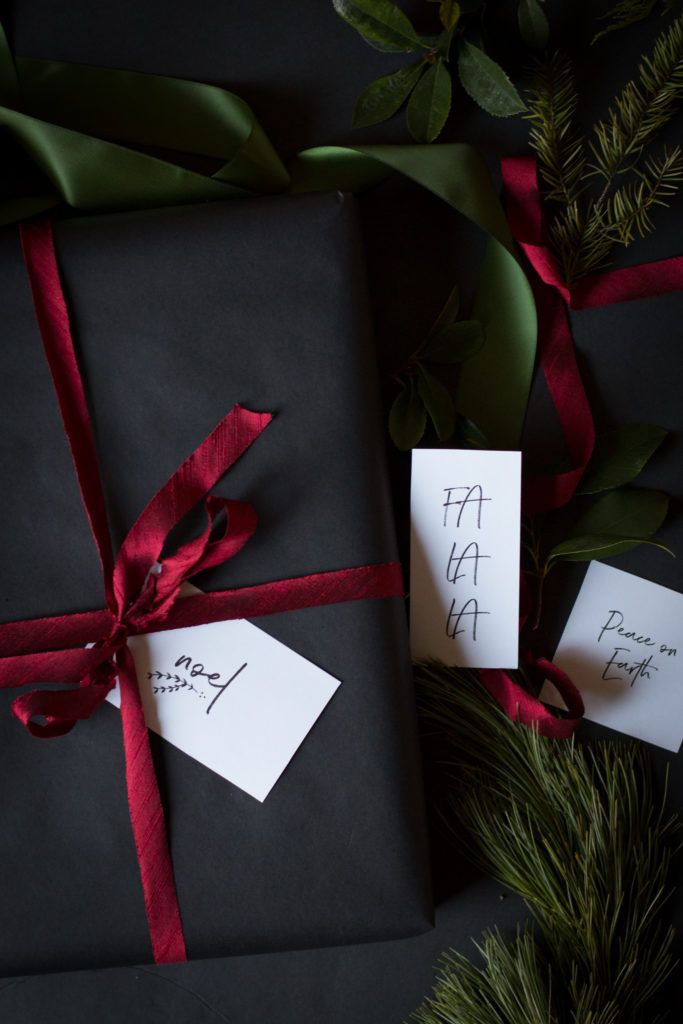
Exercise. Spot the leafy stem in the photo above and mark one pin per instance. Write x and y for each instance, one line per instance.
(426, 86)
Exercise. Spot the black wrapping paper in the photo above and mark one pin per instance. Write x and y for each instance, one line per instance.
(178, 314)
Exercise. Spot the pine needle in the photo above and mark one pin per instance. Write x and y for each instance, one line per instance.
(578, 832)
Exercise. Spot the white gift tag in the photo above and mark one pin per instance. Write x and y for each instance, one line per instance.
(231, 696)
(623, 648)
(465, 557)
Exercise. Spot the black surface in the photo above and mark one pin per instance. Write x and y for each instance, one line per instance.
(301, 69)
(178, 315)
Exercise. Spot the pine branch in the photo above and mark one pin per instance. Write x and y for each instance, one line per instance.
(641, 110)
(577, 832)
(512, 986)
(627, 12)
(552, 105)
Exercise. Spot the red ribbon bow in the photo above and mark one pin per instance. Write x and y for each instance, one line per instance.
(139, 598)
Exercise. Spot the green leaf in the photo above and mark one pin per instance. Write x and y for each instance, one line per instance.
(449, 14)
(619, 520)
(407, 417)
(533, 24)
(454, 343)
(620, 455)
(382, 98)
(487, 83)
(438, 403)
(469, 433)
(381, 23)
(449, 312)
(430, 103)
(590, 546)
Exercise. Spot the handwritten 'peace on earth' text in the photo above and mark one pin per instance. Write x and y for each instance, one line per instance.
(621, 665)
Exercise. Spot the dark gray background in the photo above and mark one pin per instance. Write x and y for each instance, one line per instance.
(301, 69)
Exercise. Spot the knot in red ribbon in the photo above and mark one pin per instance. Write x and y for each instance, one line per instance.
(146, 583)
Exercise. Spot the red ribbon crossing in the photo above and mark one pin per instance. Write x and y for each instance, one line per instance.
(556, 348)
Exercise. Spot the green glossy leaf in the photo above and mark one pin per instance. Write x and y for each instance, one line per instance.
(620, 456)
(487, 83)
(438, 403)
(382, 98)
(621, 519)
(381, 23)
(449, 14)
(407, 417)
(533, 24)
(430, 103)
(455, 342)
(590, 546)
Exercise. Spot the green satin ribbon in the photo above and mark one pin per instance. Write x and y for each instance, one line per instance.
(89, 130)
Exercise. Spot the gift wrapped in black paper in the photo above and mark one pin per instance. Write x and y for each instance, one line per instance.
(177, 315)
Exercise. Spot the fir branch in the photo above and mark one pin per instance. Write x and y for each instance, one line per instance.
(641, 110)
(587, 241)
(628, 12)
(589, 218)
(577, 831)
(552, 105)
(627, 211)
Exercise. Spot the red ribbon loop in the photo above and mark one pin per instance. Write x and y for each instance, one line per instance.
(521, 706)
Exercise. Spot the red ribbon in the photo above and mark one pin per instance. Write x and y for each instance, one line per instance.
(556, 349)
(521, 706)
(139, 599)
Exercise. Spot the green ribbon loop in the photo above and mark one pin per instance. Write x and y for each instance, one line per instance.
(110, 140)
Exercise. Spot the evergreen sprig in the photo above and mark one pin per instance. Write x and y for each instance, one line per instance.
(559, 146)
(512, 986)
(579, 832)
(606, 189)
(628, 12)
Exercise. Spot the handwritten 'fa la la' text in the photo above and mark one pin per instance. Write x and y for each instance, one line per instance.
(197, 671)
(465, 560)
(615, 621)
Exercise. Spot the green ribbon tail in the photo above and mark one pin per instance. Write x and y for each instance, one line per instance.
(494, 385)
(80, 125)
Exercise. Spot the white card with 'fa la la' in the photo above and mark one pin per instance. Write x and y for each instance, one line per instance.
(464, 557)
(623, 648)
(230, 696)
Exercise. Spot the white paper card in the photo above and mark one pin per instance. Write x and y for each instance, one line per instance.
(464, 557)
(623, 648)
(230, 696)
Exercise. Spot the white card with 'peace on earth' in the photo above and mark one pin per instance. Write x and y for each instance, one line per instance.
(464, 557)
(231, 696)
(623, 648)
